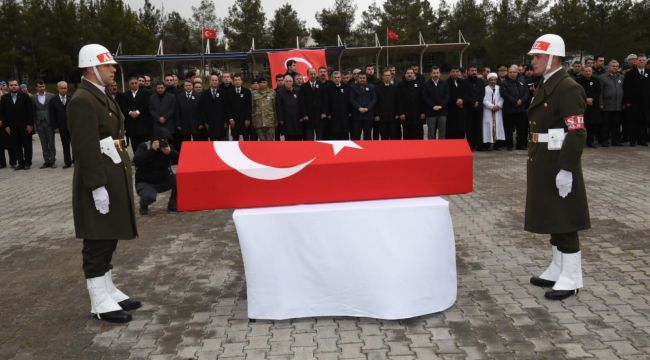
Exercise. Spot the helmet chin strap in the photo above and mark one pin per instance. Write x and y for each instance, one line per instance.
(548, 64)
(99, 78)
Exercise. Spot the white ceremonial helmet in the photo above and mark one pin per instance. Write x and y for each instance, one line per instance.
(93, 55)
(548, 44)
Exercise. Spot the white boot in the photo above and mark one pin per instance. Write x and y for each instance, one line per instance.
(552, 272)
(100, 301)
(571, 275)
(114, 292)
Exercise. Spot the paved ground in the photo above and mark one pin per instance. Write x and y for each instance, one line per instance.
(187, 269)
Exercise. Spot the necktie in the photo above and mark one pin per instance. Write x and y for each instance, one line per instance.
(214, 93)
(63, 100)
(188, 96)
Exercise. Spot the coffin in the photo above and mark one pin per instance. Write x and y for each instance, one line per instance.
(229, 174)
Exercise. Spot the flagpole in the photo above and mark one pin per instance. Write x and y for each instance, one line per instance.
(386, 48)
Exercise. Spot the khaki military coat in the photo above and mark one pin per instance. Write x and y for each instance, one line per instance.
(92, 116)
(558, 103)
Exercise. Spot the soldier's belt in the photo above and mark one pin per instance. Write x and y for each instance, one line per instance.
(538, 137)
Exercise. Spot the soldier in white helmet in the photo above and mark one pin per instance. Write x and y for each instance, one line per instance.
(556, 201)
(102, 189)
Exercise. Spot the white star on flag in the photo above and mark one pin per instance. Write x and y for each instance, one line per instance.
(339, 145)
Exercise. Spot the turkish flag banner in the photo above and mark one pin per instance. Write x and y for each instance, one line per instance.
(209, 34)
(304, 59)
(231, 174)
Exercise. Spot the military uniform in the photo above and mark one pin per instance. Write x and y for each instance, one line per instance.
(264, 120)
(558, 103)
(93, 116)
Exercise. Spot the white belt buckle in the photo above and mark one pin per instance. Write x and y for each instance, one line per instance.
(555, 139)
(107, 146)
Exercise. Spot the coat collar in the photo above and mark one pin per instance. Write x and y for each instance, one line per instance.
(86, 85)
(548, 87)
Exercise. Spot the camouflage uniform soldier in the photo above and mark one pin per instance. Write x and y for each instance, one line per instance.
(264, 119)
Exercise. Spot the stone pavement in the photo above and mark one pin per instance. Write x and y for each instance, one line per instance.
(187, 269)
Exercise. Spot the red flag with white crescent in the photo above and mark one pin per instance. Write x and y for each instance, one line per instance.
(304, 60)
(209, 34)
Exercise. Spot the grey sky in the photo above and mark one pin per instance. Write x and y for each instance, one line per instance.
(306, 9)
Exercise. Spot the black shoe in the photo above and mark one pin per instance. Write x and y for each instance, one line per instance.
(604, 145)
(643, 143)
(27, 167)
(53, 165)
(44, 166)
(129, 304)
(172, 209)
(632, 144)
(19, 167)
(119, 316)
(3, 166)
(66, 166)
(144, 210)
(537, 281)
(510, 149)
(617, 144)
(560, 294)
(591, 146)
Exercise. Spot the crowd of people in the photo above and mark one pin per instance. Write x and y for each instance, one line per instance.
(487, 108)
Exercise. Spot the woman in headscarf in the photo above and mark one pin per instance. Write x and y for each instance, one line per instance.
(492, 113)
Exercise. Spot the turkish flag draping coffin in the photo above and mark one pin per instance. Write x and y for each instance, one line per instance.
(230, 174)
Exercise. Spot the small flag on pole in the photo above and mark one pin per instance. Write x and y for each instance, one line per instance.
(209, 34)
(391, 34)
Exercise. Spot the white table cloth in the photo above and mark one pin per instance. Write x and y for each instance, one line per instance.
(385, 259)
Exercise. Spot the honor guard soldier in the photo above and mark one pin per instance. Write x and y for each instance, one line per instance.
(102, 187)
(556, 201)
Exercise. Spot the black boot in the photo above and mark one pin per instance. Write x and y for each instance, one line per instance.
(130, 304)
(560, 294)
(119, 316)
(537, 281)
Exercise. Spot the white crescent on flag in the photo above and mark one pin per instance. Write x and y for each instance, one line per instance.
(299, 60)
(230, 153)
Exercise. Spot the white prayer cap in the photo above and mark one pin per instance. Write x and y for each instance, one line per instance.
(492, 75)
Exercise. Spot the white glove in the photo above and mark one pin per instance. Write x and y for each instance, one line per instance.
(100, 195)
(564, 182)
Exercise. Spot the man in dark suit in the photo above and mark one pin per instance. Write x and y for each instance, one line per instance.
(633, 85)
(241, 106)
(456, 110)
(314, 98)
(386, 110)
(213, 111)
(363, 98)
(187, 124)
(338, 106)
(162, 107)
(435, 98)
(59, 120)
(409, 107)
(18, 119)
(135, 107)
(592, 111)
(476, 92)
